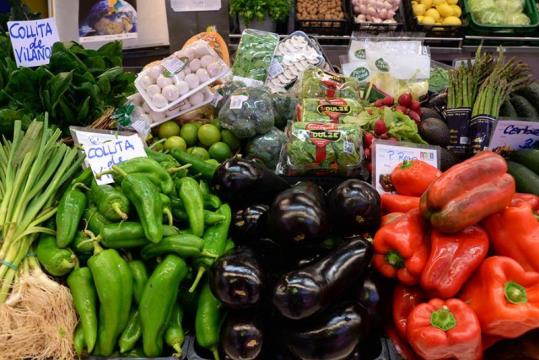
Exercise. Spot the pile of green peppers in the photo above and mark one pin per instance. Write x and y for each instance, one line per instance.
(133, 253)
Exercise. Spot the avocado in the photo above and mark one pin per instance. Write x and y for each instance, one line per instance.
(447, 159)
(430, 113)
(434, 131)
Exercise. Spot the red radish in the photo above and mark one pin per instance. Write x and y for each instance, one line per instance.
(380, 127)
(388, 101)
(414, 116)
(369, 111)
(384, 136)
(368, 138)
(367, 153)
(416, 106)
(379, 103)
(405, 100)
(402, 109)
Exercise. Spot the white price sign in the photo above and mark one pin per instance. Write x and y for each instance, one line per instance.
(104, 150)
(387, 155)
(32, 41)
(514, 135)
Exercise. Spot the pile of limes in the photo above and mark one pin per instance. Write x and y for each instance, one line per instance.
(437, 12)
(203, 140)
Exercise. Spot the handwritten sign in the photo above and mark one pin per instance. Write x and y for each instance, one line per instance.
(387, 155)
(104, 150)
(514, 135)
(32, 41)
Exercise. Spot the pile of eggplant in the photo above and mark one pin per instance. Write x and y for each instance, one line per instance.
(298, 284)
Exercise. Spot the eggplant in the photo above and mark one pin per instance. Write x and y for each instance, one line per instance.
(298, 215)
(301, 293)
(250, 222)
(243, 182)
(355, 207)
(369, 295)
(237, 279)
(331, 336)
(242, 336)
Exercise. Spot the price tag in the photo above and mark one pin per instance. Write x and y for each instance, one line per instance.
(514, 135)
(104, 150)
(387, 155)
(275, 69)
(218, 97)
(141, 127)
(236, 101)
(32, 41)
(173, 65)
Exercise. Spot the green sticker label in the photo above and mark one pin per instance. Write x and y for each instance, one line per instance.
(382, 65)
(361, 73)
(361, 54)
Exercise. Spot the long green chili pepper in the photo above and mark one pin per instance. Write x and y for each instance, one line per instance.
(208, 320)
(69, 214)
(174, 334)
(140, 277)
(197, 165)
(149, 167)
(184, 245)
(167, 208)
(210, 200)
(131, 333)
(94, 220)
(111, 203)
(193, 202)
(56, 261)
(84, 242)
(78, 341)
(129, 235)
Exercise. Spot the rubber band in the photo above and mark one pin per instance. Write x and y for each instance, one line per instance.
(9, 264)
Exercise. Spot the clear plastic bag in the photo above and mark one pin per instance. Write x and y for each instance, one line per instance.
(267, 147)
(284, 108)
(338, 111)
(248, 112)
(317, 83)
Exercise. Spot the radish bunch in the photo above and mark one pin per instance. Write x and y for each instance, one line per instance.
(405, 104)
(376, 11)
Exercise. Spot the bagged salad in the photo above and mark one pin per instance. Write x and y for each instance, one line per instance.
(322, 149)
(254, 56)
(318, 83)
(338, 111)
(247, 112)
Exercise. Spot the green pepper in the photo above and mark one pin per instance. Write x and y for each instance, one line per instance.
(135, 353)
(131, 333)
(193, 202)
(214, 243)
(144, 195)
(158, 156)
(158, 301)
(182, 245)
(69, 214)
(197, 165)
(94, 220)
(149, 167)
(178, 211)
(111, 203)
(167, 208)
(109, 283)
(140, 277)
(210, 200)
(207, 320)
(84, 242)
(174, 335)
(82, 289)
(229, 245)
(124, 271)
(129, 235)
(84, 178)
(56, 261)
(78, 341)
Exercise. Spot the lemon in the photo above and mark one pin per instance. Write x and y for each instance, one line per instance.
(419, 9)
(433, 13)
(427, 20)
(414, 3)
(457, 11)
(445, 10)
(453, 2)
(427, 3)
(420, 19)
(452, 20)
(438, 2)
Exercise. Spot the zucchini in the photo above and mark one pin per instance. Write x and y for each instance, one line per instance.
(531, 93)
(524, 108)
(527, 181)
(508, 110)
(528, 158)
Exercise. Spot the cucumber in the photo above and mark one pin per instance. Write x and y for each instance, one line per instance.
(531, 93)
(524, 108)
(528, 158)
(527, 181)
(508, 110)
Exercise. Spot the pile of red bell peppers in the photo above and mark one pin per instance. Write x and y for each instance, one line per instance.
(464, 249)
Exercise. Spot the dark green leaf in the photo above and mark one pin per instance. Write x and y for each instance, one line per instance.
(83, 111)
(58, 85)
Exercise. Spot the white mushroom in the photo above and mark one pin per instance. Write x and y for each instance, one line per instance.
(157, 116)
(196, 99)
(153, 89)
(190, 53)
(183, 87)
(171, 92)
(192, 81)
(200, 49)
(214, 69)
(154, 72)
(194, 65)
(203, 75)
(146, 81)
(207, 60)
(163, 81)
(159, 101)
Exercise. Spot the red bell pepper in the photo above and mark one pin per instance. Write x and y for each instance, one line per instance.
(401, 248)
(405, 299)
(399, 203)
(514, 232)
(386, 219)
(413, 177)
(453, 259)
(445, 330)
(504, 296)
(400, 344)
(531, 199)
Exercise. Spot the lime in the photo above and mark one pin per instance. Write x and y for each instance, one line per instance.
(200, 152)
(189, 134)
(212, 161)
(168, 129)
(215, 122)
(208, 135)
(220, 151)
(230, 139)
(175, 142)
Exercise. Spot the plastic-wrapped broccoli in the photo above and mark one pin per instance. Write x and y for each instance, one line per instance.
(247, 112)
(284, 108)
(267, 147)
(226, 90)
